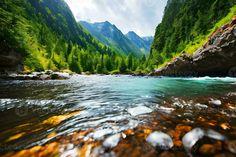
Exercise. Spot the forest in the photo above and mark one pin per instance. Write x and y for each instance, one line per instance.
(48, 37)
(187, 25)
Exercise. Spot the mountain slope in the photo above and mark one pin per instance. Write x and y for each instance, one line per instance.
(216, 58)
(186, 25)
(42, 34)
(111, 36)
(144, 44)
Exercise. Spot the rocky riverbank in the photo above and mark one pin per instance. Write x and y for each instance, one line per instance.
(216, 58)
(47, 75)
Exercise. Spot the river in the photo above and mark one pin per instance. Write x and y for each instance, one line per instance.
(38, 112)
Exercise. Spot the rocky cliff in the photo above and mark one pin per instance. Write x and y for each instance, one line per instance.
(216, 58)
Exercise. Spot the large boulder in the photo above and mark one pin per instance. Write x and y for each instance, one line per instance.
(216, 58)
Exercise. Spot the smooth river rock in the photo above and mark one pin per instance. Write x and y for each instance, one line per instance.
(160, 140)
(139, 110)
(215, 102)
(112, 141)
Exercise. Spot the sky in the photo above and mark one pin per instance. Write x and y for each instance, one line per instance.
(140, 16)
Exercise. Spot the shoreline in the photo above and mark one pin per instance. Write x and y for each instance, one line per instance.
(53, 75)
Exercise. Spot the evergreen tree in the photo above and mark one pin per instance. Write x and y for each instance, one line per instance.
(122, 66)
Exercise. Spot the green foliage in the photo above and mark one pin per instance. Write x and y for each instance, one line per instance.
(122, 66)
(186, 26)
(47, 36)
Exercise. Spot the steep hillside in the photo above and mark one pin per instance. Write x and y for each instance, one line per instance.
(186, 26)
(41, 34)
(144, 44)
(216, 58)
(111, 36)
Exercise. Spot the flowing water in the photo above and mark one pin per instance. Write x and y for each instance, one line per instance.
(37, 112)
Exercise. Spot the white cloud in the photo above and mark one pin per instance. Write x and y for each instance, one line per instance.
(141, 16)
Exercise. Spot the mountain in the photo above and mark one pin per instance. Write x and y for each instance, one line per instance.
(40, 34)
(111, 36)
(216, 58)
(195, 38)
(144, 44)
(186, 26)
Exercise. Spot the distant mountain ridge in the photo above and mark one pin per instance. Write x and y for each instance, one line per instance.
(38, 35)
(111, 36)
(143, 43)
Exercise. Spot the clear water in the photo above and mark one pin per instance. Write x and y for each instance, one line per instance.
(102, 100)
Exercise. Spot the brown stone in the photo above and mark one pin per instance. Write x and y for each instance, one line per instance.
(225, 126)
(207, 149)
(167, 154)
(231, 146)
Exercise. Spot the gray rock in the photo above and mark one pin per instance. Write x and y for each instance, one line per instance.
(99, 134)
(139, 110)
(191, 138)
(231, 146)
(215, 102)
(215, 135)
(160, 140)
(112, 141)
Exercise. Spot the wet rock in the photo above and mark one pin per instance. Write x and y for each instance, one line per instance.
(215, 135)
(70, 153)
(207, 149)
(59, 76)
(225, 126)
(215, 102)
(139, 110)
(48, 75)
(45, 77)
(167, 154)
(191, 138)
(112, 141)
(230, 106)
(160, 140)
(70, 146)
(198, 105)
(232, 95)
(166, 109)
(231, 146)
(48, 72)
(99, 134)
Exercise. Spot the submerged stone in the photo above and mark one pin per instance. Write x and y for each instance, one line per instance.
(191, 138)
(215, 135)
(70, 153)
(194, 136)
(201, 105)
(166, 109)
(112, 141)
(160, 140)
(231, 146)
(207, 149)
(215, 102)
(100, 133)
(139, 110)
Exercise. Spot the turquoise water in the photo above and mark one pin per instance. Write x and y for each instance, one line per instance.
(103, 101)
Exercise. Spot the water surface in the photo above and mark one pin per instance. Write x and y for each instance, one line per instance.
(100, 103)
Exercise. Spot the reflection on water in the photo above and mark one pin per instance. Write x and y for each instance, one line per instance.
(36, 112)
